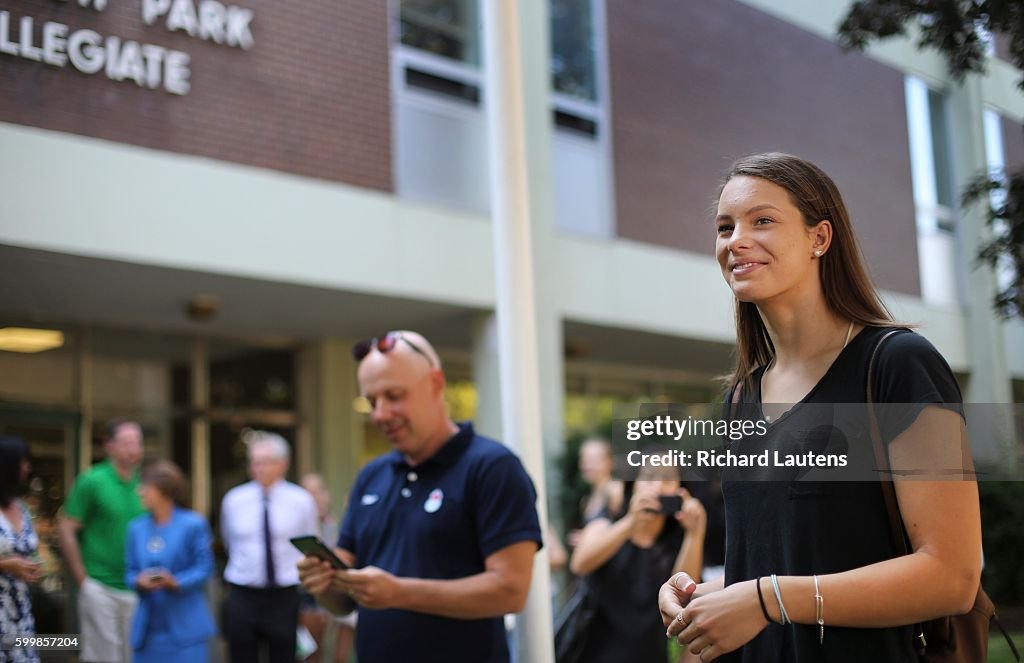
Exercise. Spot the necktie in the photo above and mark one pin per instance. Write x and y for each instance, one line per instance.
(267, 542)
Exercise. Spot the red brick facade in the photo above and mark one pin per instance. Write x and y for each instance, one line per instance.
(695, 85)
(310, 97)
(1013, 143)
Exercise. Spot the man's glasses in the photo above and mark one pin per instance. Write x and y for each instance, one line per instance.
(385, 344)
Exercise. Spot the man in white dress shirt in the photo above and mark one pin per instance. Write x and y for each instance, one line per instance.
(256, 521)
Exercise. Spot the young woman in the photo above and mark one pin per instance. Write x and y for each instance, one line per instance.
(596, 465)
(807, 323)
(623, 562)
(18, 546)
(168, 560)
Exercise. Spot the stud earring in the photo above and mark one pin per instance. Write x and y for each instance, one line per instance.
(817, 253)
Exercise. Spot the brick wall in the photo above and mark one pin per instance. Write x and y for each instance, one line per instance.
(1002, 44)
(1013, 143)
(696, 85)
(310, 97)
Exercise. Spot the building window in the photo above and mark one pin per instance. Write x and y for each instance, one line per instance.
(931, 156)
(995, 158)
(447, 28)
(440, 129)
(935, 195)
(995, 152)
(443, 55)
(575, 92)
(942, 158)
(988, 40)
(573, 70)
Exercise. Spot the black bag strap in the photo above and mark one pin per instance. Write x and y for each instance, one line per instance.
(892, 507)
(1009, 640)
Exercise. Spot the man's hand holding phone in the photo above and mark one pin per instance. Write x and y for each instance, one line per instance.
(370, 587)
(317, 569)
(322, 571)
(315, 574)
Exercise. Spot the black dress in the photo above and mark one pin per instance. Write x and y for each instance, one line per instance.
(800, 527)
(627, 627)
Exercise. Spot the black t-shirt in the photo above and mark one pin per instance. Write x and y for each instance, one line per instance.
(800, 527)
(710, 495)
(627, 625)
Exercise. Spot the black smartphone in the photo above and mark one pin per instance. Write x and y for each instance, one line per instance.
(670, 504)
(314, 547)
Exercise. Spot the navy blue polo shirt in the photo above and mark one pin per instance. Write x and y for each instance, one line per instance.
(438, 520)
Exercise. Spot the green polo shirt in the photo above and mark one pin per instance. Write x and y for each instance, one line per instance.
(104, 504)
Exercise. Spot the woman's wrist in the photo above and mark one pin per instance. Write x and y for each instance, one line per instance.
(631, 521)
(764, 617)
(695, 529)
(8, 563)
(762, 603)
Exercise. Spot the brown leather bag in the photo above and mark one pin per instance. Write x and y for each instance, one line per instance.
(955, 638)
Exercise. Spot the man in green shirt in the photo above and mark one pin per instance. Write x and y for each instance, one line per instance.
(92, 535)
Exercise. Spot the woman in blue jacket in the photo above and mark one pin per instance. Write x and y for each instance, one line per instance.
(168, 560)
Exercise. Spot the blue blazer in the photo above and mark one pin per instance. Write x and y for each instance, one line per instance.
(184, 547)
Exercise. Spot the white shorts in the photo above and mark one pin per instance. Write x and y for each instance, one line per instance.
(105, 618)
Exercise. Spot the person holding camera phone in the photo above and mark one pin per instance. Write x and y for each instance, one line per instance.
(625, 559)
(168, 559)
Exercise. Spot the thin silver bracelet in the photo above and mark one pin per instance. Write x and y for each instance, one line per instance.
(819, 611)
(783, 615)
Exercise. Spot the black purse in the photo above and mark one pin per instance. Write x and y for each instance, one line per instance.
(573, 624)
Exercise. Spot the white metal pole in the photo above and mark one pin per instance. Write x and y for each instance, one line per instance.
(514, 280)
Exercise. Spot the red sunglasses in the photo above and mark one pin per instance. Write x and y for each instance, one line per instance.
(385, 344)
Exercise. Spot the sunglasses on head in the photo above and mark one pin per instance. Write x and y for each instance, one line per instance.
(385, 344)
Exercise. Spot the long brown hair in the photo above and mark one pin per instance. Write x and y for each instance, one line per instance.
(847, 287)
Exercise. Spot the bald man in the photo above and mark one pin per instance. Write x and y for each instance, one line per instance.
(441, 532)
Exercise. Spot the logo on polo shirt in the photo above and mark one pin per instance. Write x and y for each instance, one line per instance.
(370, 499)
(434, 500)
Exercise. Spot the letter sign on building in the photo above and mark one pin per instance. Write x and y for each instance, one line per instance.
(147, 65)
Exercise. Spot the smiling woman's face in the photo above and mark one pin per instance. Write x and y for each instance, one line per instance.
(763, 246)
